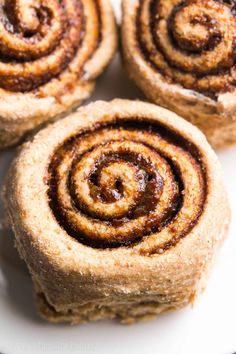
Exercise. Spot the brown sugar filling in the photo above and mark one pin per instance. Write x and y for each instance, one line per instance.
(120, 183)
(40, 39)
(190, 42)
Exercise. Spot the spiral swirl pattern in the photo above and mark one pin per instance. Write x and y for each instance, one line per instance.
(190, 42)
(41, 40)
(126, 183)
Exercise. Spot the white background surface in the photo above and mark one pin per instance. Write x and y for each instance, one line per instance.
(207, 328)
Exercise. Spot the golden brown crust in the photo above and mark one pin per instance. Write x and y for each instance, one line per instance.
(181, 54)
(51, 53)
(127, 151)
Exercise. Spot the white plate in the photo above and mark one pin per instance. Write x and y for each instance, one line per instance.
(207, 328)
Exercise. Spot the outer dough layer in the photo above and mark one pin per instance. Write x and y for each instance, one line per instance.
(20, 112)
(77, 283)
(216, 118)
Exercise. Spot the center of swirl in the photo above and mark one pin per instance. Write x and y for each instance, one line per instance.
(117, 185)
(194, 27)
(118, 180)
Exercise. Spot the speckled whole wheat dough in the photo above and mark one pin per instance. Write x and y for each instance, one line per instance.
(216, 118)
(77, 283)
(21, 112)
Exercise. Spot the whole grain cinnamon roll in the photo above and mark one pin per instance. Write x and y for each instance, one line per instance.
(181, 53)
(118, 211)
(50, 55)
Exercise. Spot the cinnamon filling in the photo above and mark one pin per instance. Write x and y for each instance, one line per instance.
(40, 40)
(121, 183)
(190, 42)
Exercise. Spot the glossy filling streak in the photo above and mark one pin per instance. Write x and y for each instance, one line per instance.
(41, 39)
(190, 42)
(121, 184)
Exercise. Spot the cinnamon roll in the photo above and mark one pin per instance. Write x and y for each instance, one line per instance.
(118, 211)
(181, 53)
(50, 55)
